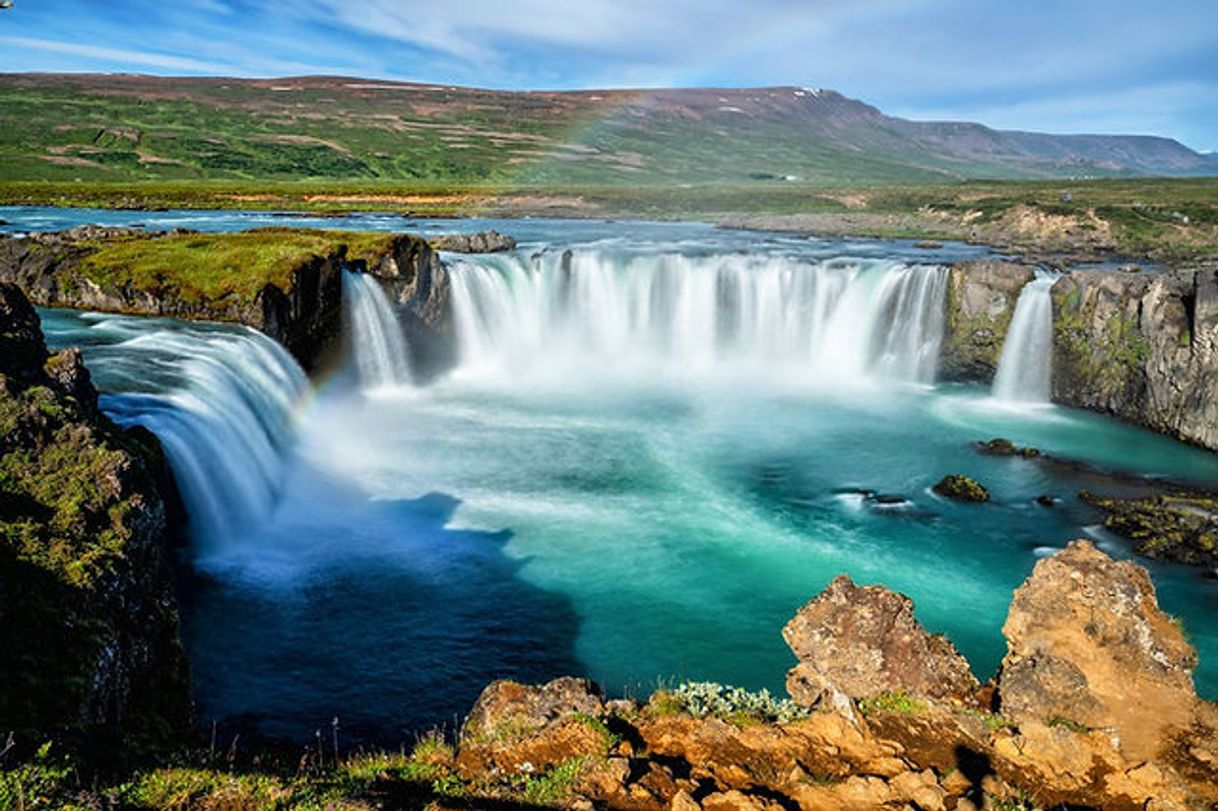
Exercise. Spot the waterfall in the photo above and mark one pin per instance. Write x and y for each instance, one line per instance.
(836, 320)
(1026, 365)
(223, 412)
(377, 341)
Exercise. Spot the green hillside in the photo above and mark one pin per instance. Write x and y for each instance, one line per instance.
(138, 128)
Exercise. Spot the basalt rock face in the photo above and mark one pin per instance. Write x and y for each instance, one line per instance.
(1088, 645)
(981, 298)
(417, 281)
(862, 641)
(481, 242)
(1153, 744)
(1142, 347)
(88, 613)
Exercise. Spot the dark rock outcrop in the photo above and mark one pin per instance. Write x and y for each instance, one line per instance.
(857, 641)
(1142, 347)
(1087, 646)
(961, 488)
(88, 613)
(1179, 526)
(417, 281)
(1005, 447)
(481, 242)
(981, 298)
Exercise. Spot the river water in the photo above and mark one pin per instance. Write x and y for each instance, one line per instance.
(649, 456)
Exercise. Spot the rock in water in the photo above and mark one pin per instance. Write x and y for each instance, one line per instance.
(961, 488)
(481, 242)
(1005, 447)
(1087, 646)
(862, 641)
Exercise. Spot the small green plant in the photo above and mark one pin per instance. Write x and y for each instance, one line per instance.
(992, 722)
(702, 699)
(39, 783)
(665, 703)
(608, 737)
(510, 730)
(1069, 723)
(553, 786)
(897, 701)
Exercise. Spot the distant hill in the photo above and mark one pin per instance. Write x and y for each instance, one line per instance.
(126, 127)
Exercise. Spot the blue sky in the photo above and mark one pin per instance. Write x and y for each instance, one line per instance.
(1130, 66)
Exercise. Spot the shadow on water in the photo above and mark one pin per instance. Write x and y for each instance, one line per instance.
(390, 641)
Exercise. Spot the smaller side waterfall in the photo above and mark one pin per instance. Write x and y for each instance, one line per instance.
(223, 414)
(377, 342)
(1026, 366)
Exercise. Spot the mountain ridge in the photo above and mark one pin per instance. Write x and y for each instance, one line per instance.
(133, 126)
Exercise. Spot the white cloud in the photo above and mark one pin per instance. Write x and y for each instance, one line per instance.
(117, 55)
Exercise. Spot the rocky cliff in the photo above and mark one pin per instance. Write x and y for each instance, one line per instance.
(981, 298)
(285, 282)
(1094, 707)
(1142, 347)
(88, 614)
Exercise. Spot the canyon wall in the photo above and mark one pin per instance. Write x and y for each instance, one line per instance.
(1141, 347)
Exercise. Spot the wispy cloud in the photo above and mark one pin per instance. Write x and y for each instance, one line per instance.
(119, 56)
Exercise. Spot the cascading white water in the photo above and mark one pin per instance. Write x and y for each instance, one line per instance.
(225, 421)
(1025, 368)
(838, 320)
(378, 344)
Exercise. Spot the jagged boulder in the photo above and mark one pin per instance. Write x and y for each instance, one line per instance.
(1088, 648)
(862, 641)
(518, 727)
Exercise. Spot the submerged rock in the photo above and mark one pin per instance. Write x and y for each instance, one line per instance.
(481, 242)
(1088, 648)
(961, 488)
(1005, 447)
(1172, 526)
(862, 641)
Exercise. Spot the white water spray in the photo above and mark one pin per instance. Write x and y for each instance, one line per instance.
(225, 421)
(1025, 368)
(840, 320)
(378, 344)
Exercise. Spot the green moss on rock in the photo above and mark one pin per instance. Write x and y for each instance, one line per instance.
(88, 625)
(961, 488)
(1175, 526)
(215, 267)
